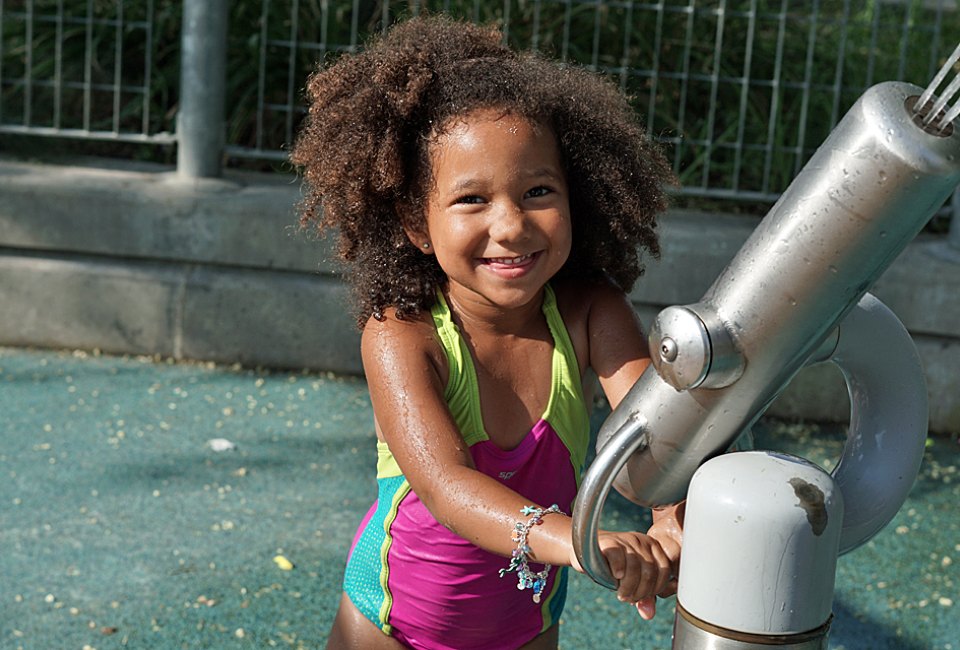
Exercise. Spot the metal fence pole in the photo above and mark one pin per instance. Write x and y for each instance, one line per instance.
(200, 120)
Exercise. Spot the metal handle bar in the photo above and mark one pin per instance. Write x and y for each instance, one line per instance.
(631, 436)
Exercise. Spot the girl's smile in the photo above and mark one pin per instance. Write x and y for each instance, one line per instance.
(498, 215)
(511, 267)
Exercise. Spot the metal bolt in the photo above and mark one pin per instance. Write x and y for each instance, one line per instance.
(668, 349)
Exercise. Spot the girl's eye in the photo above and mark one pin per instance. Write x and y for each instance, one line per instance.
(470, 199)
(538, 192)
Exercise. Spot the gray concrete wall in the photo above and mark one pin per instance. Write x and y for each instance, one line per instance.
(134, 260)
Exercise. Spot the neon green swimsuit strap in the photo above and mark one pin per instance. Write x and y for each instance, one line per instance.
(567, 410)
(462, 392)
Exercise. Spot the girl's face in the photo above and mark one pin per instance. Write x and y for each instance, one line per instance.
(498, 214)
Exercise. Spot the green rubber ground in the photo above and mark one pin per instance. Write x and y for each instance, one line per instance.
(120, 526)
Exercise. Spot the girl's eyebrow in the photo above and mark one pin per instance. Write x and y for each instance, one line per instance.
(465, 184)
(546, 171)
(472, 183)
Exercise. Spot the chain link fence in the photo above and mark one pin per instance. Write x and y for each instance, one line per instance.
(740, 92)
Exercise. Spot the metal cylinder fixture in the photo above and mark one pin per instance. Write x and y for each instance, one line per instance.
(203, 79)
(691, 633)
(759, 550)
(866, 192)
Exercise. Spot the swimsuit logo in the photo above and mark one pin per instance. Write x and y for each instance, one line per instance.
(506, 475)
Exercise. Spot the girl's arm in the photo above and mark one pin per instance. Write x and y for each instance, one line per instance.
(405, 372)
(619, 355)
(403, 364)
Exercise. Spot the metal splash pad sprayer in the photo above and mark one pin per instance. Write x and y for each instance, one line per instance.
(763, 530)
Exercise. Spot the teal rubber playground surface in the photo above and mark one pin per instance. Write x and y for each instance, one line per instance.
(121, 525)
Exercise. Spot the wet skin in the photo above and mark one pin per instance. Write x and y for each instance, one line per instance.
(499, 222)
(498, 218)
(352, 631)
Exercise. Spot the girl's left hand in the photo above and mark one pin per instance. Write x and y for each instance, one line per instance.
(637, 563)
(667, 529)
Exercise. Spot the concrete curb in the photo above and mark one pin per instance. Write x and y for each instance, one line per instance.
(134, 260)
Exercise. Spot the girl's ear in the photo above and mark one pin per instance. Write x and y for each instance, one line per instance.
(420, 240)
(414, 227)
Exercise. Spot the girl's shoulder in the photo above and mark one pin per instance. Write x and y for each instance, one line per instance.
(606, 334)
(408, 344)
(579, 300)
(589, 308)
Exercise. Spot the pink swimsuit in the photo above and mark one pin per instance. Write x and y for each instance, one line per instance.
(429, 588)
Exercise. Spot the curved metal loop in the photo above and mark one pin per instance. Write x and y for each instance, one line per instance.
(631, 436)
(888, 419)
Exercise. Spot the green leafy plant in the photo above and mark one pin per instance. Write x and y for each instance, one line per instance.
(739, 91)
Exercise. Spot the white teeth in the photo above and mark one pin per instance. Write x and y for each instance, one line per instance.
(509, 260)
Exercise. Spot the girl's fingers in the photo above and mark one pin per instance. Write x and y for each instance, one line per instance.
(670, 589)
(642, 576)
(642, 569)
(626, 571)
(664, 572)
(636, 576)
(616, 561)
(647, 607)
(632, 583)
(653, 573)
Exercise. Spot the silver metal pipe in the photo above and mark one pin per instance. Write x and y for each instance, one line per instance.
(863, 196)
(780, 521)
(609, 460)
(888, 419)
(200, 120)
(866, 192)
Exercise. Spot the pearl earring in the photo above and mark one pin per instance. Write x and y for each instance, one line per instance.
(425, 245)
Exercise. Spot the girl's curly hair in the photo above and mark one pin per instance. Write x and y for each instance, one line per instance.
(364, 151)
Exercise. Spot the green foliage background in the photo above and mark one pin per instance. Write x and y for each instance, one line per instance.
(751, 144)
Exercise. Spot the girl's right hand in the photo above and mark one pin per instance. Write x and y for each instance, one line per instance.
(640, 566)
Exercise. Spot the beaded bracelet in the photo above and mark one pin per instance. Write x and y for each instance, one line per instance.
(519, 560)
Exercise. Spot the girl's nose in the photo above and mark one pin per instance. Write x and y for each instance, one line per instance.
(509, 224)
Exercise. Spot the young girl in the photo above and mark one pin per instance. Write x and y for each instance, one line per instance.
(490, 207)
